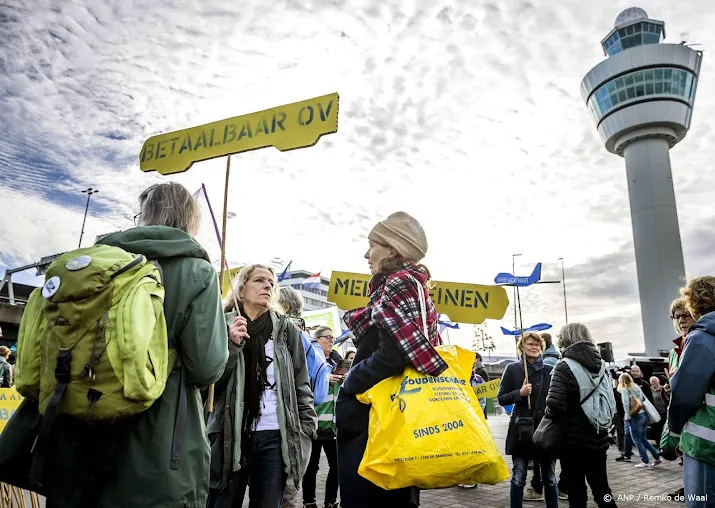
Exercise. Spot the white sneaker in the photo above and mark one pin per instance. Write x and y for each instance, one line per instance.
(642, 464)
(656, 462)
(468, 485)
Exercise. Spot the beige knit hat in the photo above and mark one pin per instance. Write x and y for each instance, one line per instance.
(403, 233)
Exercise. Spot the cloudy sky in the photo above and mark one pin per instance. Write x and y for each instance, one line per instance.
(466, 114)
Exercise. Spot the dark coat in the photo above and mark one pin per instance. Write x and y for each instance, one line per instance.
(481, 371)
(645, 388)
(564, 400)
(377, 358)
(511, 383)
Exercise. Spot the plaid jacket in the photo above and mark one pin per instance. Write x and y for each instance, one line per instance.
(395, 307)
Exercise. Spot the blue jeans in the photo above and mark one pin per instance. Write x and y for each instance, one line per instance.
(627, 441)
(698, 480)
(639, 426)
(518, 480)
(263, 470)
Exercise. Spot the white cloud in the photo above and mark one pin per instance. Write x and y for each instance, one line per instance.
(465, 114)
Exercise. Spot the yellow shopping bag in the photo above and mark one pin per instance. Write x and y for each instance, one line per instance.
(430, 432)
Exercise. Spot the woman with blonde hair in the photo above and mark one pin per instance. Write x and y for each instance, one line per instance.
(639, 421)
(528, 395)
(263, 423)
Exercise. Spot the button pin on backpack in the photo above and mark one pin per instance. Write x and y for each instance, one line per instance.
(51, 287)
(78, 263)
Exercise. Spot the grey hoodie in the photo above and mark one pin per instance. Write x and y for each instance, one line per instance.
(551, 355)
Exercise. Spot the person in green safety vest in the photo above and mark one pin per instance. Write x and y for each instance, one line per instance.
(692, 404)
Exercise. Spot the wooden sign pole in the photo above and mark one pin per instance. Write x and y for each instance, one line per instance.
(523, 353)
(224, 267)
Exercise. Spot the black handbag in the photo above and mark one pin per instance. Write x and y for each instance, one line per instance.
(547, 436)
(524, 429)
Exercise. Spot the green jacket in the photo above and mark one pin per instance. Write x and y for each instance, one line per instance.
(296, 414)
(141, 474)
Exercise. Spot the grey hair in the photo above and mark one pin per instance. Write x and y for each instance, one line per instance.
(320, 330)
(572, 333)
(240, 281)
(169, 204)
(291, 301)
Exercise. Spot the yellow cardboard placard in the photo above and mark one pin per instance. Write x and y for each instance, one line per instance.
(9, 402)
(297, 125)
(490, 389)
(462, 302)
(227, 278)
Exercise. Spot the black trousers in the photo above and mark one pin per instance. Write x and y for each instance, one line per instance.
(584, 464)
(309, 479)
(356, 491)
(538, 485)
(618, 422)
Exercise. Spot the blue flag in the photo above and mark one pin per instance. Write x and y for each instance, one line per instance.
(286, 273)
(446, 324)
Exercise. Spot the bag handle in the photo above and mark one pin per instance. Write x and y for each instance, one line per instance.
(423, 305)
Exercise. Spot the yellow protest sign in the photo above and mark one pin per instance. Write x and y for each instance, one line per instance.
(9, 402)
(230, 276)
(462, 302)
(297, 125)
(489, 389)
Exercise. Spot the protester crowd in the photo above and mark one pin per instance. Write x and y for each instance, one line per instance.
(565, 410)
(250, 400)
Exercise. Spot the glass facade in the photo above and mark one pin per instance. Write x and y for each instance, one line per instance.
(638, 84)
(632, 35)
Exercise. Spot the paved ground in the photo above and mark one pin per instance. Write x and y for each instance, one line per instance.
(631, 487)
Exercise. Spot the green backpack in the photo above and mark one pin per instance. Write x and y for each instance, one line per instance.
(93, 342)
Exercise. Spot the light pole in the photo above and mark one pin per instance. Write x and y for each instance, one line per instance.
(563, 281)
(89, 193)
(513, 272)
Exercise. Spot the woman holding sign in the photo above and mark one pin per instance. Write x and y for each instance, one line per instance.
(525, 384)
(262, 428)
(389, 336)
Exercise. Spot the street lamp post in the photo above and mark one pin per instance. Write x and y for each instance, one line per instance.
(89, 193)
(563, 282)
(513, 272)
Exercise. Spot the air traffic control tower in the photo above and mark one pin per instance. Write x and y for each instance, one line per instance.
(641, 98)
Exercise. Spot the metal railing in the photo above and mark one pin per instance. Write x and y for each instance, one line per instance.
(14, 301)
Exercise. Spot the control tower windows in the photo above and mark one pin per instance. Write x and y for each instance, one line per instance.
(631, 36)
(639, 84)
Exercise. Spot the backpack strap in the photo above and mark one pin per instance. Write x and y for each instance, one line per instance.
(592, 391)
(137, 260)
(39, 452)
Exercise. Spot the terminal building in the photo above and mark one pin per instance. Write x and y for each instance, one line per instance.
(315, 298)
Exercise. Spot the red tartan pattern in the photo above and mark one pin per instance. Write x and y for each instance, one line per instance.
(395, 307)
